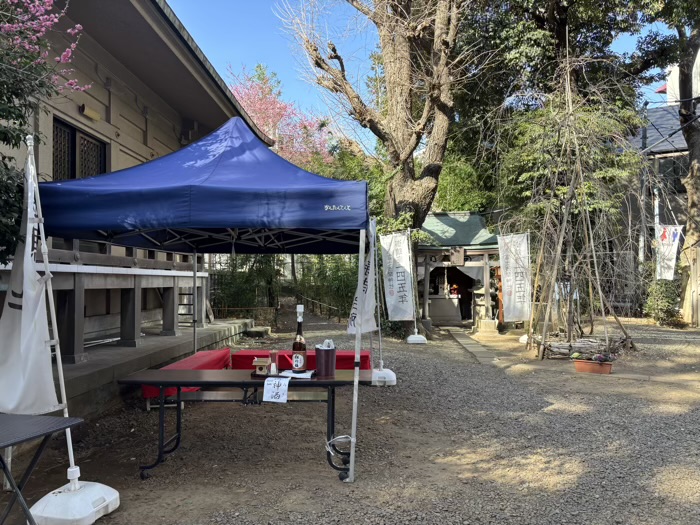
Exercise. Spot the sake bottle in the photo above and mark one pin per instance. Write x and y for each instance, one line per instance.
(299, 346)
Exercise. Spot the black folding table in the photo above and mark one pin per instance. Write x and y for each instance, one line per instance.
(16, 429)
(252, 388)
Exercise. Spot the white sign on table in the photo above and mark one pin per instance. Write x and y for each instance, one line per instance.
(276, 389)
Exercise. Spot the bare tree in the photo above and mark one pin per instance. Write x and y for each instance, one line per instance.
(421, 68)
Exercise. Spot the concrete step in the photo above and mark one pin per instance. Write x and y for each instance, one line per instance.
(258, 331)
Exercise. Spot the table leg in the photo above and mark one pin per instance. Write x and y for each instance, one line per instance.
(178, 425)
(161, 435)
(330, 433)
(17, 488)
(162, 442)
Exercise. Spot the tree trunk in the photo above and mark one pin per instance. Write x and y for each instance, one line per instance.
(411, 196)
(421, 68)
(692, 233)
(691, 132)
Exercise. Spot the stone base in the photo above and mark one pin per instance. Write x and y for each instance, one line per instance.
(427, 324)
(169, 332)
(487, 325)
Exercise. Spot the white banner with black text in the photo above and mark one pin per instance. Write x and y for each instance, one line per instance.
(398, 276)
(516, 286)
(26, 377)
(367, 295)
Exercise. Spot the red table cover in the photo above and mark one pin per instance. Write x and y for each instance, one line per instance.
(204, 360)
(344, 359)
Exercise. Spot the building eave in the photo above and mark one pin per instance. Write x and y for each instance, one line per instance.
(178, 28)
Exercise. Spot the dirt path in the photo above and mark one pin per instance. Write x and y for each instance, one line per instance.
(453, 442)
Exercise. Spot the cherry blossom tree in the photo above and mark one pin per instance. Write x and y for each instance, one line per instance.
(31, 70)
(300, 137)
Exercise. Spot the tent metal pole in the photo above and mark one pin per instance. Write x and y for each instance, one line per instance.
(194, 301)
(358, 344)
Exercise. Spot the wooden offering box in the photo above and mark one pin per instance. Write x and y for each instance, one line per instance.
(262, 366)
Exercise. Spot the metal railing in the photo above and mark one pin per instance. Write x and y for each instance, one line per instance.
(263, 315)
(317, 307)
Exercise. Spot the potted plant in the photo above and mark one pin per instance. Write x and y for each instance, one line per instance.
(593, 363)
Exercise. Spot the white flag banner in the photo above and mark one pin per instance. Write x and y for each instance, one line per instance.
(398, 276)
(667, 239)
(367, 295)
(516, 286)
(26, 377)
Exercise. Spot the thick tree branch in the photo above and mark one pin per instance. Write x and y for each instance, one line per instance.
(364, 9)
(419, 129)
(446, 20)
(333, 55)
(335, 81)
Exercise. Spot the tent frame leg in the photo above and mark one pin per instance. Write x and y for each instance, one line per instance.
(349, 476)
(194, 301)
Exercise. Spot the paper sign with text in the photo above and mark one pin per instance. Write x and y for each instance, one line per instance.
(276, 389)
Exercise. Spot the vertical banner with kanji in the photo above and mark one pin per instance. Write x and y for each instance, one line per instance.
(398, 277)
(26, 377)
(514, 253)
(367, 295)
(667, 239)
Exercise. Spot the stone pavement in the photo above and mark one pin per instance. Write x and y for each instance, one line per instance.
(482, 354)
(507, 361)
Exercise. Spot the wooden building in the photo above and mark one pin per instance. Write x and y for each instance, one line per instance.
(454, 274)
(152, 92)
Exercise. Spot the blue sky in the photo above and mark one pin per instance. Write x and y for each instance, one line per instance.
(247, 32)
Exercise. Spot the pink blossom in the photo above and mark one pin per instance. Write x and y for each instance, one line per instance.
(23, 31)
(66, 55)
(299, 137)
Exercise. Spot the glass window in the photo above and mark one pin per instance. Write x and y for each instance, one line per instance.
(672, 170)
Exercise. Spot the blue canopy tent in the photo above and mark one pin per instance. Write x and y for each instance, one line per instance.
(226, 193)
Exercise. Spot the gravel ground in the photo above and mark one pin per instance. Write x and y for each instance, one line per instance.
(453, 442)
(660, 351)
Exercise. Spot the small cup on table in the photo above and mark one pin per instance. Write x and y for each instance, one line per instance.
(274, 362)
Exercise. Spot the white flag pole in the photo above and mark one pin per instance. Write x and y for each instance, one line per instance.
(380, 376)
(75, 500)
(377, 283)
(414, 339)
(73, 471)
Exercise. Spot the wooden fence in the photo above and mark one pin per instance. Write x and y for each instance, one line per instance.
(319, 308)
